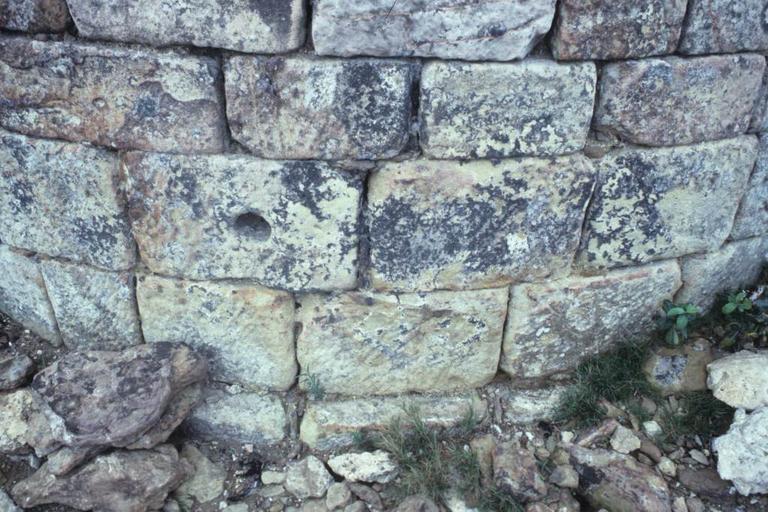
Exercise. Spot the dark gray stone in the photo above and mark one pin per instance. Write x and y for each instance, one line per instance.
(34, 15)
(14, 369)
(725, 26)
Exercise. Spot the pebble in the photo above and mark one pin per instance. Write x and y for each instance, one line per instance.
(678, 505)
(667, 467)
(699, 457)
(652, 429)
(624, 440)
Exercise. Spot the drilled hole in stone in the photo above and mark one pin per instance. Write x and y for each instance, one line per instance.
(253, 225)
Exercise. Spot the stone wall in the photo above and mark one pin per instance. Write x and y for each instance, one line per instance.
(445, 203)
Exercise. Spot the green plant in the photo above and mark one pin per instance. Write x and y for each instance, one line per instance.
(698, 412)
(675, 321)
(742, 320)
(315, 388)
(737, 303)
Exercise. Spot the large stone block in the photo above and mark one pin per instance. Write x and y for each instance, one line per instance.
(671, 101)
(535, 107)
(34, 15)
(735, 265)
(241, 25)
(660, 203)
(63, 199)
(112, 96)
(760, 114)
(245, 331)
(284, 224)
(445, 224)
(553, 326)
(302, 107)
(23, 296)
(725, 26)
(525, 406)
(752, 216)
(376, 344)
(616, 29)
(95, 310)
(447, 29)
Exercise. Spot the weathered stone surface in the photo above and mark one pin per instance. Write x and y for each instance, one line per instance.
(300, 107)
(741, 452)
(308, 478)
(616, 29)
(725, 26)
(367, 343)
(624, 440)
(244, 417)
(752, 216)
(245, 331)
(652, 204)
(333, 424)
(552, 327)
(241, 25)
(673, 370)
(515, 472)
(62, 199)
(446, 29)
(16, 407)
(112, 96)
(6, 504)
(740, 379)
(14, 369)
(525, 406)
(179, 408)
(34, 15)
(735, 265)
(377, 466)
(448, 225)
(120, 481)
(287, 225)
(417, 503)
(672, 101)
(95, 309)
(206, 482)
(760, 114)
(535, 107)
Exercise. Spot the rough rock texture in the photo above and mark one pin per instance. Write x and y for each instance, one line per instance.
(760, 114)
(672, 101)
(14, 369)
(679, 369)
(448, 225)
(6, 504)
(735, 265)
(120, 481)
(307, 478)
(447, 29)
(740, 380)
(284, 224)
(367, 343)
(535, 107)
(204, 485)
(515, 472)
(177, 411)
(95, 310)
(23, 296)
(725, 26)
(741, 452)
(245, 331)
(526, 406)
(34, 15)
(20, 413)
(377, 466)
(652, 204)
(553, 326)
(241, 25)
(113, 96)
(624, 440)
(333, 424)
(752, 216)
(616, 29)
(301, 107)
(63, 199)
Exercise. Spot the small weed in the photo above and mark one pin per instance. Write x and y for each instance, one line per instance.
(675, 320)
(315, 388)
(698, 412)
(741, 320)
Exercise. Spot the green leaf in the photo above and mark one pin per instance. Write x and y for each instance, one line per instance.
(691, 309)
(677, 310)
(729, 308)
(672, 337)
(681, 322)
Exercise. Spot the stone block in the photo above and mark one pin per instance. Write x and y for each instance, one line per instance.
(760, 114)
(752, 216)
(245, 331)
(553, 326)
(34, 15)
(528, 405)
(329, 109)
(480, 224)
(362, 343)
(661, 203)
(616, 29)
(23, 296)
(286, 225)
(330, 425)
(536, 107)
(95, 309)
(113, 96)
(63, 199)
(672, 101)
(240, 25)
(725, 26)
(446, 29)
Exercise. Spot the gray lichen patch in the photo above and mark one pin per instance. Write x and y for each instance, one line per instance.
(34, 15)
(651, 204)
(752, 216)
(535, 107)
(725, 26)
(284, 224)
(448, 225)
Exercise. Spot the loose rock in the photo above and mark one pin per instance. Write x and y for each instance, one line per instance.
(515, 472)
(680, 369)
(337, 496)
(740, 380)
(308, 478)
(205, 484)
(564, 476)
(703, 481)
(14, 369)
(417, 504)
(741, 453)
(376, 466)
(625, 440)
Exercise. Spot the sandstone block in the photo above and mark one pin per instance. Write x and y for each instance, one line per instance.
(553, 326)
(284, 224)
(362, 343)
(446, 29)
(659, 203)
(740, 379)
(245, 331)
(725, 26)
(330, 109)
(112, 96)
(741, 452)
(752, 216)
(95, 310)
(535, 107)
(672, 101)
(63, 199)
(241, 25)
(34, 15)
(616, 29)
(523, 406)
(449, 225)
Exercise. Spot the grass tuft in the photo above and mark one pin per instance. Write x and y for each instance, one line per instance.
(698, 412)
